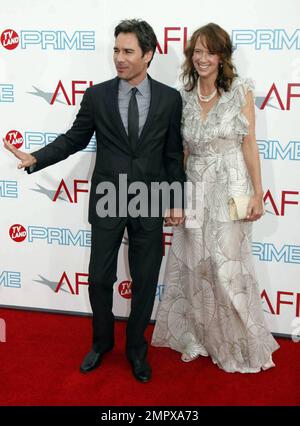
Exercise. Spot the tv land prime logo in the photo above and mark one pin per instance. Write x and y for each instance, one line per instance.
(269, 149)
(36, 140)
(55, 39)
(9, 39)
(272, 39)
(15, 138)
(61, 236)
(10, 279)
(125, 290)
(277, 150)
(266, 252)
(17, 233)
(7, 93)
(81, 40)
(9, 189)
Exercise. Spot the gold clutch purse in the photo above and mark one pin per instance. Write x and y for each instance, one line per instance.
(238, 207)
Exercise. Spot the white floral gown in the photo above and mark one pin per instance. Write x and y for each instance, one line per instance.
(211, 303)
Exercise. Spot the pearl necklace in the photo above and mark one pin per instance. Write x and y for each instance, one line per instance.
(208, 97)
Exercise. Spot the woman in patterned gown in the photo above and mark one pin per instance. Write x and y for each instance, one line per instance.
(211, 304)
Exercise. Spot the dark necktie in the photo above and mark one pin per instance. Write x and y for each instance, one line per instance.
(133, 120)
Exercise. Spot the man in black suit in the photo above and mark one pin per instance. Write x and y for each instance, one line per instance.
(137, 124)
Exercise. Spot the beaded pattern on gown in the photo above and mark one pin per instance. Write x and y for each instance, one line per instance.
(211, 303)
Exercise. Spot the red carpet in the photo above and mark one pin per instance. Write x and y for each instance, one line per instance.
(41, 357)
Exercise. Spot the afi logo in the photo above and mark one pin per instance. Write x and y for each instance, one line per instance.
(15, 138)
(80, 279)
(284, 101)
(180, 34)
(64, 188)
(71, 98)
(279, 209)
(283, 298)
(125, 289)
(9, 39)
(17, 233)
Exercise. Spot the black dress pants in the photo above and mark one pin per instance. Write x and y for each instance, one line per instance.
(144, 255)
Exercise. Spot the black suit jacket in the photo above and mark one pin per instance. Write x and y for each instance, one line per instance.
(159, 153)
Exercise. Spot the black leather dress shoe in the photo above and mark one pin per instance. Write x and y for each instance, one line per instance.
(91, 361)
(141, 370)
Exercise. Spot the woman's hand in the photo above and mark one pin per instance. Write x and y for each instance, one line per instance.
(255, 208)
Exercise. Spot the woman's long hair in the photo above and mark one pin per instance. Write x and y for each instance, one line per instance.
(217, 42)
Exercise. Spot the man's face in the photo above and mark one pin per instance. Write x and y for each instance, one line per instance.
(130, 63)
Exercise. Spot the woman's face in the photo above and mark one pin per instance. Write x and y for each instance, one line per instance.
(205, 62)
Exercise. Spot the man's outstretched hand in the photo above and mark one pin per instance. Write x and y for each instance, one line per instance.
(27, 160)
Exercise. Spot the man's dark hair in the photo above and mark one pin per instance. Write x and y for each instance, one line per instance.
(143, 31)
